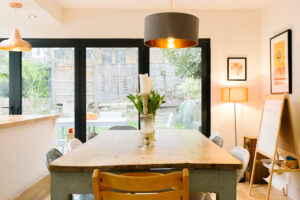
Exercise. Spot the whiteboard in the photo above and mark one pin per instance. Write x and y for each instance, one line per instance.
(269, 125)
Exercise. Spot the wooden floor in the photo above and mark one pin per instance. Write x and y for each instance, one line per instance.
(259, 193)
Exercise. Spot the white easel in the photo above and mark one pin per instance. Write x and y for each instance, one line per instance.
(277, 136)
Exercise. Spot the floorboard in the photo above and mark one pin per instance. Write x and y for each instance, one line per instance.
(259, 193)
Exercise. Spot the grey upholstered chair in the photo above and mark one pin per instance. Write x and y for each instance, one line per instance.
(214, 134)
(52, 155)
(122, 128)
(73, 144)
(242, 155)
(218, 140)
(92, 135)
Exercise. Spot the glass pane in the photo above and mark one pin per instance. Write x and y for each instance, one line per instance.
(4, 87)
(177, 74)
(48, 87)
(112, 74)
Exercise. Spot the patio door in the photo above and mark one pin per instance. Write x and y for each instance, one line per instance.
(111, 75)
(48, 87)
(177, 73)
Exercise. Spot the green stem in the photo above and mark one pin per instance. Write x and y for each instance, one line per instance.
(153, 134)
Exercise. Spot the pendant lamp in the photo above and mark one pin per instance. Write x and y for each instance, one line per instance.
(15, 42)
(171, 30)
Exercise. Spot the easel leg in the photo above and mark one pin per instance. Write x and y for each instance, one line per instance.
(252, 174)
(270, 185)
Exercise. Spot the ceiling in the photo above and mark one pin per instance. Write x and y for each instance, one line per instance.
(30, 7)
(163, 4)
(50, 12)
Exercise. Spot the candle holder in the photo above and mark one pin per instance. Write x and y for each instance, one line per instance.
(145, 96)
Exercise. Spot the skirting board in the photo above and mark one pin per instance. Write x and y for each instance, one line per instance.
(37, 191)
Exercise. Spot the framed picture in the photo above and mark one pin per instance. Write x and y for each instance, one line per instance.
(281, 63)
(237, 69)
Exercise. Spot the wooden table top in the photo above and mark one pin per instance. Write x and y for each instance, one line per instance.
(120, 150)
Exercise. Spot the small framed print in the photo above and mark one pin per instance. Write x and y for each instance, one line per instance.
(281, 63)
(237, 69)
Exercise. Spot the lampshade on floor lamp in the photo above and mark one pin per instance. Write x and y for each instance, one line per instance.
(235, 94)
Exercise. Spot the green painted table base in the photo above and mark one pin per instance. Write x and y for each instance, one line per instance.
(222, 182)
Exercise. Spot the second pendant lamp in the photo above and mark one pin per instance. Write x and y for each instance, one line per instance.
(171, 30)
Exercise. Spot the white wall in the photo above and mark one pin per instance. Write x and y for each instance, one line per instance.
(22, 151)
(232, 33)
(278, 16)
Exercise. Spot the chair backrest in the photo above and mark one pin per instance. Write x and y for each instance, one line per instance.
(73, 144)
(92, 135)
(141, 187)
(244, 156)
(218, 140)
(214, 134)
(122, 128)
(52, 155)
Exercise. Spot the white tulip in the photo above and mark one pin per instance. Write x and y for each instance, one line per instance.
(136, 101)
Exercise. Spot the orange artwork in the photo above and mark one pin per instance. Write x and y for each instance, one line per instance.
(236, 69)
(281, 63)
(280, 75)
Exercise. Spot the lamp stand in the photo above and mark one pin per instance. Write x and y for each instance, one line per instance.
(235, 124)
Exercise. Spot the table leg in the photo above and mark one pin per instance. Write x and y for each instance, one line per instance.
(63, 184)
(227, 188)
(222, 182)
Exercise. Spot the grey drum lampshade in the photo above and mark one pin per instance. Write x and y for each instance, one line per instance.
(171, 30)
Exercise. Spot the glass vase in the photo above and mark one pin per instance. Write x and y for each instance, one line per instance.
(147, 128)
(153, 134)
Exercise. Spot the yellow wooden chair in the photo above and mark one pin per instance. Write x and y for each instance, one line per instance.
(141, 186)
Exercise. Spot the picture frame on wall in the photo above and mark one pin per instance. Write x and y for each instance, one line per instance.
(236, 68)
(281, 63)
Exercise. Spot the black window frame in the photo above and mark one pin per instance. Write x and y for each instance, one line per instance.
(80, 46)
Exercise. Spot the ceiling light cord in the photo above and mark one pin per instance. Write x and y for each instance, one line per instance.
(15, 16)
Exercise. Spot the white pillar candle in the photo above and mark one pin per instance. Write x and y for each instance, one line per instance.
(149, 84)
(143, 83)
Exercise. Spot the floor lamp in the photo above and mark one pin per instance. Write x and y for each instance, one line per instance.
(235, 94)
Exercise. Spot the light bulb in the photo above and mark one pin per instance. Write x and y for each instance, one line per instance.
(170, 40)
(171, 43)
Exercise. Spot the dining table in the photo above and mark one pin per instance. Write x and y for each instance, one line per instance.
(211, 168)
